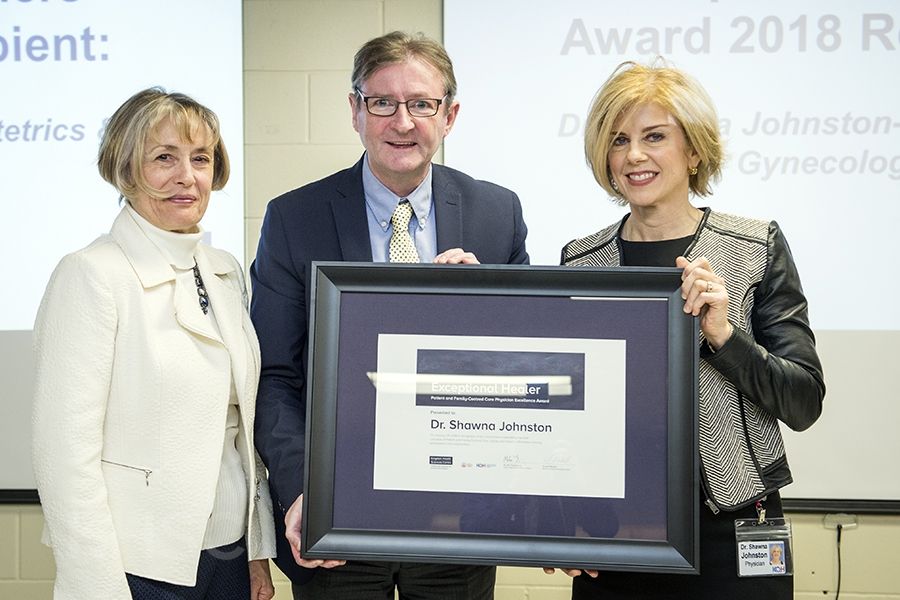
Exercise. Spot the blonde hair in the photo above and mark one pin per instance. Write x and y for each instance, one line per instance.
(631, 85)
(120, 157)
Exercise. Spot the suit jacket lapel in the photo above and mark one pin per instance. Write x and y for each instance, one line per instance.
(224, 299)
(447, 201)
(349, 210)
(153, 269)
(188, 313)
(228, 305)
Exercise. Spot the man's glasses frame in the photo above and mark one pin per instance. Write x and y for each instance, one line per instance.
(381, 106)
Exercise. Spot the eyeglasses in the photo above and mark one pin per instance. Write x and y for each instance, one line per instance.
(387, 107)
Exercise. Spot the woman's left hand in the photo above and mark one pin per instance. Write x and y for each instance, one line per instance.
(706, 296)
(261, 587)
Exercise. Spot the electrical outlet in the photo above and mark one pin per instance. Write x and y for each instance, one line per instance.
(846, 521)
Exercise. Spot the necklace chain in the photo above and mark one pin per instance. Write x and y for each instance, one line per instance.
(202, 296)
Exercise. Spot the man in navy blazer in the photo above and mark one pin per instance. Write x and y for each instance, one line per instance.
(402, 105)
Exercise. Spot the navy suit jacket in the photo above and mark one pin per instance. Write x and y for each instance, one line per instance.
(327, 221)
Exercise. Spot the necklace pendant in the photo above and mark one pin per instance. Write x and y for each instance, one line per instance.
(202, 296)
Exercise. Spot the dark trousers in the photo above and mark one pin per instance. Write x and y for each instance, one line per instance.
(718, 578)
(222, 574)
(413, 581)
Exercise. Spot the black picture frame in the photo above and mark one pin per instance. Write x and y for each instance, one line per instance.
(345, 518)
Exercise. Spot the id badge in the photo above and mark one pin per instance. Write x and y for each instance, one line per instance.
(763, 547)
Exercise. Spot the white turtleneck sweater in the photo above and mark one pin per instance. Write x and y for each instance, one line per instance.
(228, 520)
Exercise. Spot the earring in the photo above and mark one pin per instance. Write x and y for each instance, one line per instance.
(614, 185)
(693, 170)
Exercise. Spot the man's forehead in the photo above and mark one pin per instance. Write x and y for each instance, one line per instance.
(420, 74)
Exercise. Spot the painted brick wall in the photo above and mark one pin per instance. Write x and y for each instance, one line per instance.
(869, 553)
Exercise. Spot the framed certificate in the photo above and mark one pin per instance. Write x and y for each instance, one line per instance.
(509, 415)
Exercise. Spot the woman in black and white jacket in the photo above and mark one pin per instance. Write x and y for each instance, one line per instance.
(652, 140)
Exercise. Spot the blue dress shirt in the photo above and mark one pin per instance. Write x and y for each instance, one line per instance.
(380, 205)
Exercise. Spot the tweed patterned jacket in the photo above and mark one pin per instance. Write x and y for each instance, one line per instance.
(767, 371)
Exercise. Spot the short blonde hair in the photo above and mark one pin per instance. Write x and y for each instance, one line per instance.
(121, 152)
(633, 84)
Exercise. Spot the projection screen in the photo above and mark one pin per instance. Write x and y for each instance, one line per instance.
(809, 105)
(65, 66)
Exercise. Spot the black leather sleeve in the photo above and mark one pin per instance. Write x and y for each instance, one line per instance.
(777, 367)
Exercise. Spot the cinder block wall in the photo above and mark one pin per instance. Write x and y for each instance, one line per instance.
(869, 553)
(298, 55)
(297, 62)
(26, 565)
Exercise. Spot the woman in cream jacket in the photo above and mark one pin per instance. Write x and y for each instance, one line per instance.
(146, 382)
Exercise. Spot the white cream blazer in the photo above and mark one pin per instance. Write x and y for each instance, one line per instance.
(129, 413)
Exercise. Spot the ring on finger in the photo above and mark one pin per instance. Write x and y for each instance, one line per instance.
(709, 287)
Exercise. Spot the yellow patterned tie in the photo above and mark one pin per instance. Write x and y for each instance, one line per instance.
(402, 249)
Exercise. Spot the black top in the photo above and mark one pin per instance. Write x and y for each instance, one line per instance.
(653, 254)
